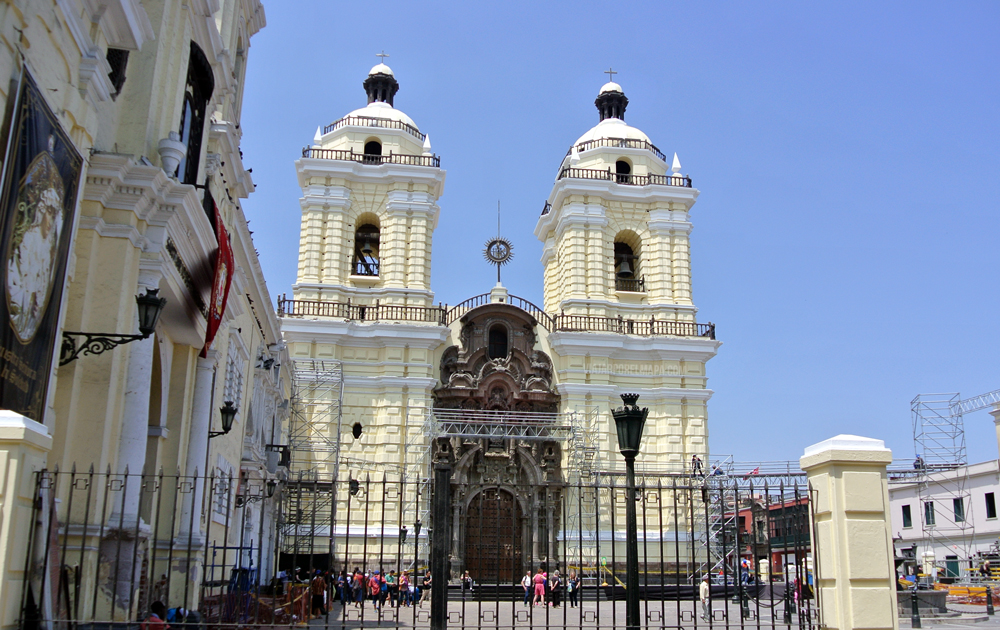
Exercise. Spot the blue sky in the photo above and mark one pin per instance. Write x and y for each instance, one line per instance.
(846, 152)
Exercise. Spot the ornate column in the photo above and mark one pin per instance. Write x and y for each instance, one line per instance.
(202, 412)
(135, 416)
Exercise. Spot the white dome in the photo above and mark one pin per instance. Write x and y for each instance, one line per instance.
(378, 109)
(381, 69)
(610, 86)
(612, 128)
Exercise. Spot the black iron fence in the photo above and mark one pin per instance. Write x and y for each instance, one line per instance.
(107, 546)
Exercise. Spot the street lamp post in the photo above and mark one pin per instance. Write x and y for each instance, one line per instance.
(629, 421)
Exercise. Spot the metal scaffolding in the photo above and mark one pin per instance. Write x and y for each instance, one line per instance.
(941, 470)
(316, 415)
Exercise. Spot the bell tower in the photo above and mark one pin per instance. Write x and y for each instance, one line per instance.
(370, 186)
(617, 277)
(616, 225)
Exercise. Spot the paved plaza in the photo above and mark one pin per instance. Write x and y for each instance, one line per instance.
(470, 613)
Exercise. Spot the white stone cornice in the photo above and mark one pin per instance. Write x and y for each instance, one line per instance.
(124, 23)
(392, 384)
(608, 191)
(630, 311)
(112, 230)
(627, 347)
(224, 139)
(256, 19)
(662, 222)
(362, 334)
(369, 173)
(365, 294)
(585, 389)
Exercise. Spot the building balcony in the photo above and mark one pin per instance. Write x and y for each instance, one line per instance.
(365, 158)
(619, 143)
(368, 121)
(444, 315)
(625, 179)
(360, 312)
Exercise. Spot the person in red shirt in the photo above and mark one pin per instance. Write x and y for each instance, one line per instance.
(155, 621)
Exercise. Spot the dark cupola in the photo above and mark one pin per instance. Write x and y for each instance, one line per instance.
(381, 85)
(611, 101)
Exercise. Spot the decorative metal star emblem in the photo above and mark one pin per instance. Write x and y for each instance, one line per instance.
(498, 251)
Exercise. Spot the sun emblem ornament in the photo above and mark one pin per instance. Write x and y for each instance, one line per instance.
(498, 251)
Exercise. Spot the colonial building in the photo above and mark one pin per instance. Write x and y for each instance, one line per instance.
(522, 393)
(148, 95)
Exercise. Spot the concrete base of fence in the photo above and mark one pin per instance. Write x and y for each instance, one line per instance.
(24, 445)
(852, 539)
(930, 601)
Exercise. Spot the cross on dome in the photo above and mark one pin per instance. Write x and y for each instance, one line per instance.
(382, 55)
(611, 74)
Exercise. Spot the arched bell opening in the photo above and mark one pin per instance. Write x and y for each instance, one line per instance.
(628, 262)
(623, 171)
(366, 250)
(373, 151)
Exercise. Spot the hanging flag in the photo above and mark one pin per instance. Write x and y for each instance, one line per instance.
(224, 266)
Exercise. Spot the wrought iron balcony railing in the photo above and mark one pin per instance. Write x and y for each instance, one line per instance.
(444, 315)
(624, 143)
(359, 312)
(635, 285)
(546, 208)
(627, 180)
(364, 158)
(370, 121)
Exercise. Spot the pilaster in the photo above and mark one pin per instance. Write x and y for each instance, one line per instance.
(851, 532)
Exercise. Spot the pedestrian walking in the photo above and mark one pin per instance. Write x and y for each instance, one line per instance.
(404, 589)
(527, 584)
(573, 588)
(466, 584)
(705, 594)
(318, 590)
(539, 581)
(555, 589)
(425, 589)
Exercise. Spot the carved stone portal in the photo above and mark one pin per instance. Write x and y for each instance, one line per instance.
(505, 492)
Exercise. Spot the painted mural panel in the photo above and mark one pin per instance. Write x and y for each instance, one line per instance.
(37, 210)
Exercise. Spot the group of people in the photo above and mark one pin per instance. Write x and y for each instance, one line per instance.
(399, 589)
(541, 586)
(378, 587)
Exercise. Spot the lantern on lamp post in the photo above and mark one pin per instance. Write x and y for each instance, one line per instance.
(629, 422)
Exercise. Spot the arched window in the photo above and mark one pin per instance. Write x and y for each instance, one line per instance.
(366, 251)
(623, 172)
(373, 152)
(356, 430)
(498, 342)
(197, 93)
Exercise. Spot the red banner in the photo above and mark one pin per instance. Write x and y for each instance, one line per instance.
(224, 267)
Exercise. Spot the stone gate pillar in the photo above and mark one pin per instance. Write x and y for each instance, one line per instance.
(24, 446)
(851, 534)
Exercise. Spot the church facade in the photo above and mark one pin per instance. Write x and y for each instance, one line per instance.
(521, 392)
